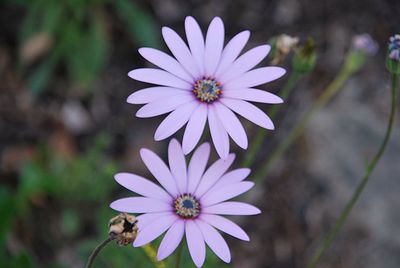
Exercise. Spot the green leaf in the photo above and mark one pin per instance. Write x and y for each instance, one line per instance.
(7, 211)
(87, 51)
(141, 25)
(22, 260)
(41, 76)
(70, 222)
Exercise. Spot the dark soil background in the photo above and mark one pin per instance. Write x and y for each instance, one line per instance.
(62, 140)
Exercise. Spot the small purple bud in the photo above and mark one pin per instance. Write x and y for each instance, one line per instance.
(365, 43)
(394, 47)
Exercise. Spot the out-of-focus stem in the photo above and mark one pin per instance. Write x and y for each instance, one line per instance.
(152, 254)
(262, 133)
(329, 92)
(178, 258)
(96, 251)
(361, 186)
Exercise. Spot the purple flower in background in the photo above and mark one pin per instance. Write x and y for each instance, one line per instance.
(365, 43)
(205, 82)
(189, 203)
(394, 47)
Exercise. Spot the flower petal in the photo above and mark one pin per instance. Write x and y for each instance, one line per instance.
(218, 133)
(146, 219)
(175, 120)
(194, 128)
(158, 77)
(214, 45)
(231, 177)
(245, 62)
(166, 62)
(177, 165)
(160, 171)
(215, 241)
(232, 125)
(196, 41)
(256, 77)
(140, 205)
(180, 51)
(225, 225)
(195, 242)
(223, 194)
(171, 240)
(165, 105)
(231, 208)
(232, 51)
(252, 94)
(250, 112)
(213, 173)
(197, 165)
(154, 230)
(142, 186)
(154, 93)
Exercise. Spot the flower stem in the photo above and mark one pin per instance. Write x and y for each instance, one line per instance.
(327, 95)
(152, 254)
(257, 144)
(97, 250)
(361, 186)
(179, 256)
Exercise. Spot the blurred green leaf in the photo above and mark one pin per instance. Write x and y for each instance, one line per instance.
(142, 27)
(52, 16)
(41, 76)
(87, 50)
(70, 222)
(7, 211)
(34, 181)
(22, 260)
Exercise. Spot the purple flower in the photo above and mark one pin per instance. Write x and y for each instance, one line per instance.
(394, 47)
(365, 43)
(189, 202)
(205, 82)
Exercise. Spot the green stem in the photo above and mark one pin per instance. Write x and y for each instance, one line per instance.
(97, 250)
(179, 256)
(329, 92)
(256, 145)
(349, 206)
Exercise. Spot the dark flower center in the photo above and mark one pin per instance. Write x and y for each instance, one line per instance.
(186, 206)
(207, 89)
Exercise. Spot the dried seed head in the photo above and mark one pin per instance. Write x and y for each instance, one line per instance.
(123, 228)
(284, 45)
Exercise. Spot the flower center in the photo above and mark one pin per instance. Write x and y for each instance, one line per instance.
(207, 89)
(187, 206)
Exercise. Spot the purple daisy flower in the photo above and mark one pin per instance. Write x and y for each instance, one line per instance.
(189, 203)
(205, 81)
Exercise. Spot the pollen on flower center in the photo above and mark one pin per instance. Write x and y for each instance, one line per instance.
(186, 206)
(207, 89)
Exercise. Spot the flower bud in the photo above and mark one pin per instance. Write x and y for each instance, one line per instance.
(282, 46)
(305, 58)
(362, 46)
(393, 57)
(123, 228)
(364, 43)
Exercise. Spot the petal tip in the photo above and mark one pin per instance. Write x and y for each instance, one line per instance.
(132, 99)
(256, 211)
(139, 114)
(158, 137)
(186, 150)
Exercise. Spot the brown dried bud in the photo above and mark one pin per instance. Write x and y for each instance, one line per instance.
(123, 228)
(284, 45)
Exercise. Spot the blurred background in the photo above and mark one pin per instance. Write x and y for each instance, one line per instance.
(65, 129)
